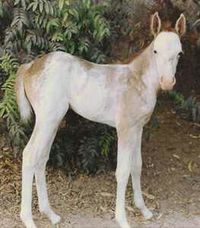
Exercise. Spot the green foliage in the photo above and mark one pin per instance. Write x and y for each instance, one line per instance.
(129, 20)
(177, 97)
(32, 28)
(106, 141)
(192, 108)
(38, 26)
(8, 64)
(189, 108)
(88, 154)
(84, 145)
(8, 106)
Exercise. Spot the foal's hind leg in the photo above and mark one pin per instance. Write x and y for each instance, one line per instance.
(27, 179)
(35, 156)
(40, 178)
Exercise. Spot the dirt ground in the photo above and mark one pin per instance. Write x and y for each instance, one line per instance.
(170, 183)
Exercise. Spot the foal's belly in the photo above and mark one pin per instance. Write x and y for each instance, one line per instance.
(92, 100)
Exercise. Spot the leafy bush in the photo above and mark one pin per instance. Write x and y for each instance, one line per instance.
(177, 97)
(192, 108)
(84, 145)
(129, 20)
(77, 27)
(188, 108)
(8, 106)
(44, 26)
(31, 28)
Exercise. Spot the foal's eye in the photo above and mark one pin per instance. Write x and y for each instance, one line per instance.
(180, 54)
(155, 51)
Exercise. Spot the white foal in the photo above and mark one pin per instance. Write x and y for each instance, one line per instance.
(122, 96)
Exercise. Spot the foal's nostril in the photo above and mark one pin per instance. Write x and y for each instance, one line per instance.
(171, 81)
(174, 81)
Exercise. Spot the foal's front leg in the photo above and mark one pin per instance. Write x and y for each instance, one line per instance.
(126, 144)
(136, 168)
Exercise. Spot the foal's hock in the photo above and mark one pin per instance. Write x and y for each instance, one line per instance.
(120, 95)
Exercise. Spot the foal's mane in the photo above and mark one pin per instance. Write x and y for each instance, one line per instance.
(136, 54)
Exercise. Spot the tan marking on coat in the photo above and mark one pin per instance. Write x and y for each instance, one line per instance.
(31, 75)
(88, 65)
(19, 76)
(139, 68)
(37, 66)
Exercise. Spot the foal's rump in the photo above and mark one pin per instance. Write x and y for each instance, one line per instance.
(37, 85)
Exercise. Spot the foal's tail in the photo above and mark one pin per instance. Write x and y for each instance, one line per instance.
(22, 101)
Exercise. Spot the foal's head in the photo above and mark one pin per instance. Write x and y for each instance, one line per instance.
(167, 49)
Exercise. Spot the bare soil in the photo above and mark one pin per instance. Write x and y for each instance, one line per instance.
(170, 183)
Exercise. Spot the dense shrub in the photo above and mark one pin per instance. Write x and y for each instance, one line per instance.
(32, 28)
(84, 145)
(35, 27)
(188, 108)
(8, 107)
(129, 20)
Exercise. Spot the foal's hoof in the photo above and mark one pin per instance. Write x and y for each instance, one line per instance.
(147, 214)
(27, 220)
(56, 219)
(29, 224)
(122, 223)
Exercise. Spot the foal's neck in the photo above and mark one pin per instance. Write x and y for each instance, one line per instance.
(144, 70)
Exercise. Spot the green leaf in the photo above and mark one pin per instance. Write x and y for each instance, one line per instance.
(41, 6)
(61, 4)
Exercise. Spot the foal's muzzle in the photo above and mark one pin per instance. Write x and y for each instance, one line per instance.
(167, 84)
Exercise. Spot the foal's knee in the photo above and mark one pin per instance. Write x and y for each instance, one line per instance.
(122, 174)
(136, 172)
(29, 161)
(33, 158)
(136, 167)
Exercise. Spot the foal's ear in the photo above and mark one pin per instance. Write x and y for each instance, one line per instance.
(180, 26)
(155, 24)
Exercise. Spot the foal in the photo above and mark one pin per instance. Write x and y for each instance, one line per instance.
(122, 96)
